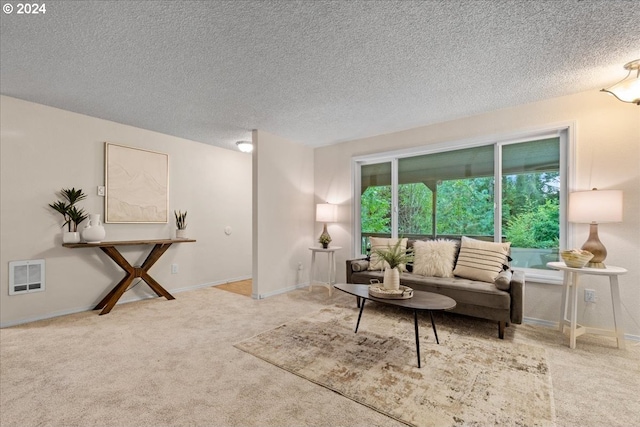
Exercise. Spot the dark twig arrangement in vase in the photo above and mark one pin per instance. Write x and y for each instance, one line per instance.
(181, 224)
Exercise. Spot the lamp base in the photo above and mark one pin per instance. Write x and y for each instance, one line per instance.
(324, 238)
(595, 246)
(596, 265)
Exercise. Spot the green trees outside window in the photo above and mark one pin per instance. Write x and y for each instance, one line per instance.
(452, 194)
(376, 210)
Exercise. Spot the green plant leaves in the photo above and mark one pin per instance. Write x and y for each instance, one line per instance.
(72, 215)
(396, 255)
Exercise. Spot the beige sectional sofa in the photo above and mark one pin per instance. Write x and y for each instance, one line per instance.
(474, 298)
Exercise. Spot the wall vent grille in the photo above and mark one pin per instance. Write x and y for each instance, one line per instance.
(26, 276)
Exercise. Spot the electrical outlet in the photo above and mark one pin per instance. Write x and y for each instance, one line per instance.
(174, 268)
(101, 190)
(589, 295)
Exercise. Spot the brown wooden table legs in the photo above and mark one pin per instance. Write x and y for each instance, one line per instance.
(110, 300)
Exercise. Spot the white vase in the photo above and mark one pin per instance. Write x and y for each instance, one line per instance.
(94, 231)
(181, 234)
(70, 237)
(391, 278)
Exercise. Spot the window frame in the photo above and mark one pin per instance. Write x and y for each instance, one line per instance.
(564, 131)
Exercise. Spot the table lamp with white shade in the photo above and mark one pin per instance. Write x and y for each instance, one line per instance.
(594, 207)
(326, 212)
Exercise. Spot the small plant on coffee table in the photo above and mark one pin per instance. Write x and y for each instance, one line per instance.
(394, 255)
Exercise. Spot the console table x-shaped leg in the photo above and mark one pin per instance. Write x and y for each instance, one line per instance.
(110, 300)
(160, 246)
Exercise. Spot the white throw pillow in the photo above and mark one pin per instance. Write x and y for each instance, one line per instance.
(480, 260)
(382, 243)
(434, 257)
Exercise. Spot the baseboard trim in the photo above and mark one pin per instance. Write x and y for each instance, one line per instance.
(555, 325)
(279, 291)
(122, 301)
(217, 283)
(540, 322)
(529, 320)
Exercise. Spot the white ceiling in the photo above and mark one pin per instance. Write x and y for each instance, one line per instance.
(315, 72)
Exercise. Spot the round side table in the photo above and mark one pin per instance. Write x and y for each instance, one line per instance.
(570, 293)
(331, 263)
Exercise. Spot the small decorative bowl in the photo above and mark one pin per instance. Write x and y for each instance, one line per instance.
(576, 258)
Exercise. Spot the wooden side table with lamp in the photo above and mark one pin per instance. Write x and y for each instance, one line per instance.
(591, 207)
(331, 267)
(325, 212)
(570, 286)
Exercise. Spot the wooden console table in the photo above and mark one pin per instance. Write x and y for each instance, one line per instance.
(109, 248)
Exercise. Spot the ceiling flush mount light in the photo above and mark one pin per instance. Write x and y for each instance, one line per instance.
(595, 207)
(628, 89)
(245, 146)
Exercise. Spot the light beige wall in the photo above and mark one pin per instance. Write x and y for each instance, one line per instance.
(44, 149)
(283, 213)
(607, 157)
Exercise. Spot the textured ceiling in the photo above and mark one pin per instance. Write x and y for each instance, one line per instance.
(315, 72)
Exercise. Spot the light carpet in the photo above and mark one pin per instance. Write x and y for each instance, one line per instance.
(159, 363)
(466, 380)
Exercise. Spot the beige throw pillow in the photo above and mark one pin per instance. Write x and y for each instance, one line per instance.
(434, 257)
(359, 265)
(479, 260)
(382, 243)
(503, 281)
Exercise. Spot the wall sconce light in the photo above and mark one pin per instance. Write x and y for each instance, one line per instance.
(245, 146)
(593, 207)
(628, 89)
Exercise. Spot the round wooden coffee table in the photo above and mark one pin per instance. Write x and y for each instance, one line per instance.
(421, 301)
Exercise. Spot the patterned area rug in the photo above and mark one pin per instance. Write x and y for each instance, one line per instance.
(470, 379)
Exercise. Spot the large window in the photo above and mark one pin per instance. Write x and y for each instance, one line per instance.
(531, 201)
(375, 199)
(456, 189)
(504, 191)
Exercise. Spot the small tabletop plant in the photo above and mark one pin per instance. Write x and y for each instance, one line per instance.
(71, 214)
(394, 256)
(324, 240)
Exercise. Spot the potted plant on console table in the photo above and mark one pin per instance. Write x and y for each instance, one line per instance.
(71, 214)
(394, 258)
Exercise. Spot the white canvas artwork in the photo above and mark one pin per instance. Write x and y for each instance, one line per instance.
(137, 184)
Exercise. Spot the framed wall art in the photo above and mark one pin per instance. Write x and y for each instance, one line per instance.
(137, 184)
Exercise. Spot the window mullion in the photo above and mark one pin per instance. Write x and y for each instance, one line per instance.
(497, 193)
(356, 171)
(394, 197)
(565, 178)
